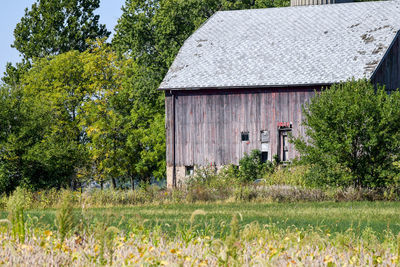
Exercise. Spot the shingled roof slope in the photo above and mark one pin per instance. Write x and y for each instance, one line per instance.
(286, 46)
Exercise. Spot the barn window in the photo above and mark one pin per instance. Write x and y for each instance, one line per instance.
(245, 136)
(264, 145)
(264, 156)
(189, 170)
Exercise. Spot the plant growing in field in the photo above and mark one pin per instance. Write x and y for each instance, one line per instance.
(228, 251)
(5, 223)
(65, 218)
(104, 235)
(109, 237)
(105, 239)
(15, 208)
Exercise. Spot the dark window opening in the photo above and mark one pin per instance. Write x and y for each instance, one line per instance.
(245, 136)
(189, 170)
(264, 157)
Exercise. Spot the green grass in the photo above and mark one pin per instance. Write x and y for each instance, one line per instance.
(334, 217)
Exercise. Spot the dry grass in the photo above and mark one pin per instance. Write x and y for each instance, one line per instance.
(254, 245)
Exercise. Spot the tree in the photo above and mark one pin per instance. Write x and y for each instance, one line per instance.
(105, 116)
(21, 127)
(10, 119)
(57, 88)
(54, 27)
(353, 136)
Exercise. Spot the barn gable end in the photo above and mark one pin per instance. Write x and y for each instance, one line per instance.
(388, 71)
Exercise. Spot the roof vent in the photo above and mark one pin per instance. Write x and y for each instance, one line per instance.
(317, 2)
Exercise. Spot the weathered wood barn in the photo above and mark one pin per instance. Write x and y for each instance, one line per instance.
(239, 82)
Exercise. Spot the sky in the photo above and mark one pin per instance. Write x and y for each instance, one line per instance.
(11, 12)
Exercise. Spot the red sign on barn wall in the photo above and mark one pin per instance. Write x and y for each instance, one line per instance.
(284, 125)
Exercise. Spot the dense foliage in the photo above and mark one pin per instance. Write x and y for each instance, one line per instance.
(352, 136)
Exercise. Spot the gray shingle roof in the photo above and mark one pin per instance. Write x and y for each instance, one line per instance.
(286, 46)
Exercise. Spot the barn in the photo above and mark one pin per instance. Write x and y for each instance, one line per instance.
(240, 81)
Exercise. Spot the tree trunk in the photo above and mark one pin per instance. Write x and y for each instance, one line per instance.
(73, 184)
(114, 183)
(101, 185)
(132, 183)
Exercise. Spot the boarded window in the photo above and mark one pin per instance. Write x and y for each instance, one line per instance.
(264, 136)
(245, 136)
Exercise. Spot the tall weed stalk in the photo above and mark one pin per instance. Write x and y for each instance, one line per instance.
(15, 208)
(65, 217)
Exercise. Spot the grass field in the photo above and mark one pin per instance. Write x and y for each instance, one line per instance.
(331, 216)
(227, 234)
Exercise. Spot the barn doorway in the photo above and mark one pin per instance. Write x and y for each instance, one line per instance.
(283, 144)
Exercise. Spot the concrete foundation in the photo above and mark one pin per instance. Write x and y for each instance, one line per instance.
(181, 176)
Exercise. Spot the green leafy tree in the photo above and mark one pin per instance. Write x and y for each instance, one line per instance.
(10, 121)
(106, 117)
(352, 135)
(52, 27)
(21, 127)
(125, 129)
(57, 88)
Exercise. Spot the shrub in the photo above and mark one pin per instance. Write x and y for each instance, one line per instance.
(209, 185)
(252, 168)
(353, 136)
(291, 175)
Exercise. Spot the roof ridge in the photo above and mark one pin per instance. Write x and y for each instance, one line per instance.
(306, 6)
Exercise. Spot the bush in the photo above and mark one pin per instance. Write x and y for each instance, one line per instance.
(252, 168)
(209, 185)
(292, 175)
(353, 136)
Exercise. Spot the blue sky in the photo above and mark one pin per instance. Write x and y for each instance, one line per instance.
(11, 12)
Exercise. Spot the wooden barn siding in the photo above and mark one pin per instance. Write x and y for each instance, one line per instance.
(209, 122)
(388, 73)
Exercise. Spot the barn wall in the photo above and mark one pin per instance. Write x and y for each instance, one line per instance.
(388, 73)
(209, 122)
